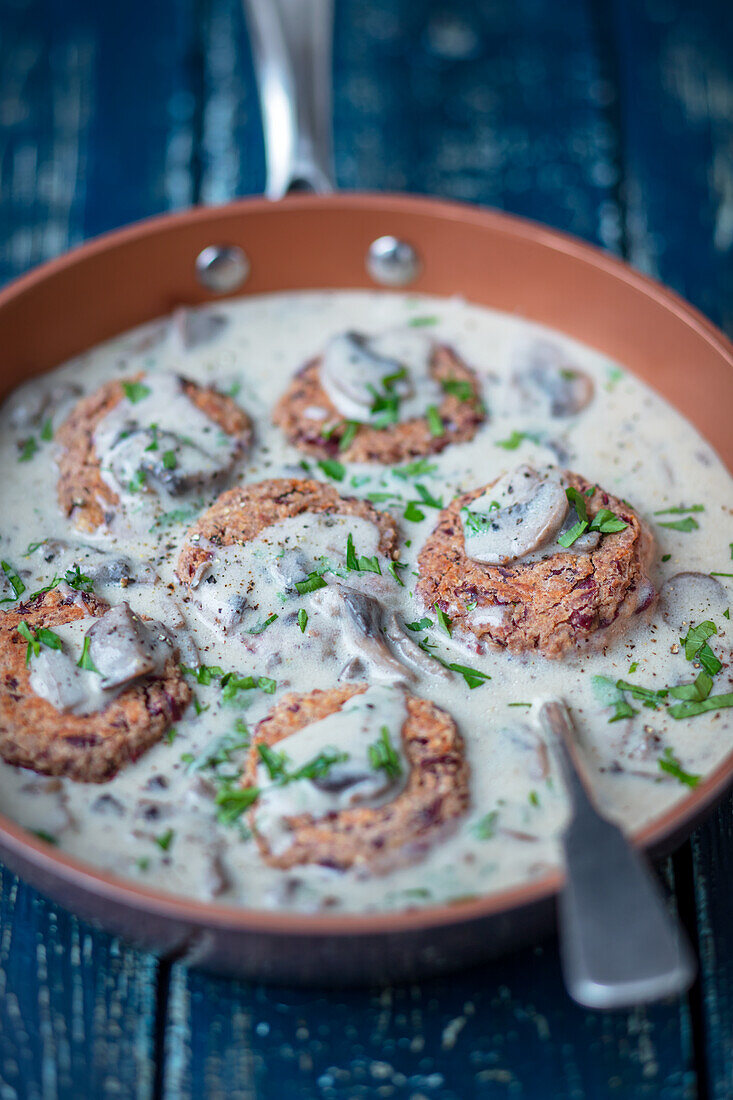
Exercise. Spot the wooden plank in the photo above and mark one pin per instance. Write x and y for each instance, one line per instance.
(502, 1030)
(96, 117)
(499, 104)
(76, 1005)
(677, 122)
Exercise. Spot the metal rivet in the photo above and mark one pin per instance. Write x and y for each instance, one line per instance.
(392, 262)
(222, 268)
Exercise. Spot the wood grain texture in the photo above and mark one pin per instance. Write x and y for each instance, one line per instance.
(612, 122)
(676, 146)
(95, 128)
(76, 1005)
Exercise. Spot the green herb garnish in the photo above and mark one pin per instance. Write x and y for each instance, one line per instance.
(669, 763)
(360, 563)
(461, 389)
(302, 619)
(263, 625)
(435, 421)
(687, 524)
(27, 449)
(384, 756)
(15, 582)
(165, 840)
(85, 660)
(47, 430)
(312, 583)
(485, 827)
(135, 391)
(444, 621)
(332, 468)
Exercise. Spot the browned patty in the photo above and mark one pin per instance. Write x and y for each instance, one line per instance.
(436, 794)
(396, 443)
(550, 605)
(89, 748)
(82, 492)
(241, 513)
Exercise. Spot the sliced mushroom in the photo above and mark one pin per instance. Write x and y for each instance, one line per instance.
(549, 384)
(57, 679)
(361, 629)
(520, 513)
(122, 647)
(99, 565)
(693, 597)
(351, 373)
(167, 460)
(31, 405)
(290, 567)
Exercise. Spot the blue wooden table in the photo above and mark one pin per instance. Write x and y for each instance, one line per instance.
(612, 119)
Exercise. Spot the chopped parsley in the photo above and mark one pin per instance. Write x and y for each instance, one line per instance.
(135, 391)
(473, 676)
(37, 638)
(312, 583)
(444, 621)
(137, 483)
(47, 430)
(420, 624)
(392, 570)
(679, 511)
(513, 441)
(421, 322)
(435, 421)
(352, 427)
(458, 388)
(275, 762)
(332, 468)
(689, 523)
(384, 756)
(85, 660)
(413, 513)
(697, 648)
(27, 449)
(476, 523)
(43, 835)
(302, 619)
(360, 563)
(165, 839)
(263, 625)
(15, 582)
(691, 708)
(78, 580)
(233, 801)
(385, 408)
(604, 521)
(669, 763)
(485, 827)
(426, 497)
(169, 460)
(421, 467)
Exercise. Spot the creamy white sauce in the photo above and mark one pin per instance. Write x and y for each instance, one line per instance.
(157, 820)
(351, 734)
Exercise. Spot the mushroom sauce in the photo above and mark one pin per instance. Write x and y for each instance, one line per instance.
(169, 820)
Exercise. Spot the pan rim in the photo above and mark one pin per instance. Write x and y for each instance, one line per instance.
(202, 914)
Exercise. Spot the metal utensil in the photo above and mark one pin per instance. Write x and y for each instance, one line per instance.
(619, 943)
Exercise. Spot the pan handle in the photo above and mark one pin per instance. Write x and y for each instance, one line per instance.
(291, 48)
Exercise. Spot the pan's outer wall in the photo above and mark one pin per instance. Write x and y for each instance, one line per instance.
(145, 271)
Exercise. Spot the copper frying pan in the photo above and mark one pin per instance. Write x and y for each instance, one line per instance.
(135, 274)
